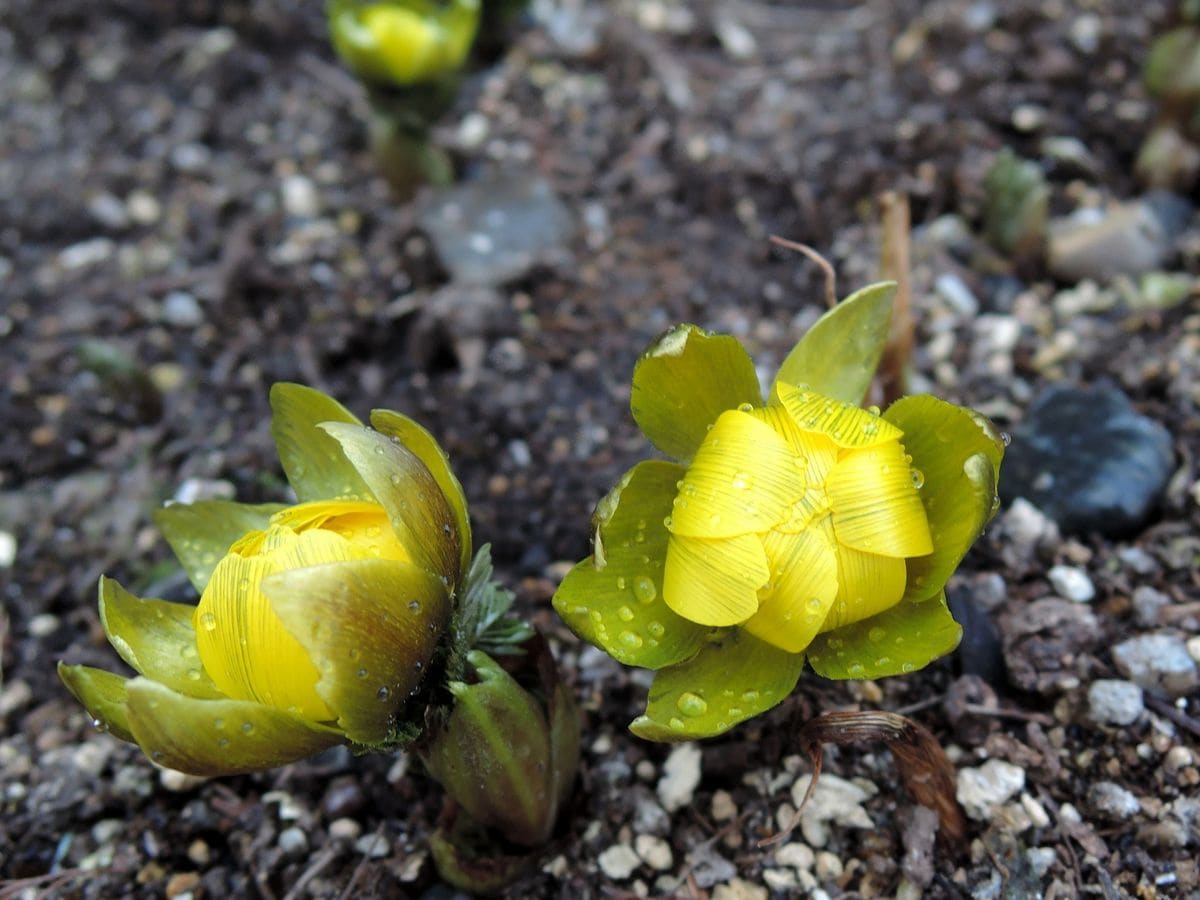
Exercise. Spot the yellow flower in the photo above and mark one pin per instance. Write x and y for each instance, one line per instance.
(403, 42)
(799, 529)
(793, 519)
(317, 622)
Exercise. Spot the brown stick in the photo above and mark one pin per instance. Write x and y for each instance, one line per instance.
(926, 771)
(895, 265)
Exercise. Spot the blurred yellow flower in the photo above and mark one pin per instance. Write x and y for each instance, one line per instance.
(403, 42)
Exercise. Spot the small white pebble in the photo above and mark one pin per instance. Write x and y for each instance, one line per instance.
(829, 867)
(344, 829)
(43, 625)
(681, 775)
(1193, 648)
(797, 855)
(723, 807)
(1036, 812)
(179, 782)
(739, 889)
(372, 846)
(619, 861)
(654, 851)
(1071, 583)
(645, 770)
(8, 549)
(293, 841)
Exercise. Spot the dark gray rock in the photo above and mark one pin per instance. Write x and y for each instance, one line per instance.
(1088, 460)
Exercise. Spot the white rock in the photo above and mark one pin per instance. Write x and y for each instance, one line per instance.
(739, 889)
(654, 851)
(955, 292)
(300, 197)
(1157, 660)
(780, 879)
(182, 310)
(179, 782)
(834, 800)
(619, 861)
(798, 856)
(1115, 702)
(982, 790)
(723, 807)
(1071, 583)
(681, 775)
(1113, 801)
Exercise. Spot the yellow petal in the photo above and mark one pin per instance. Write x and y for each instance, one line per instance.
(242, 642)
(868, 584)
(362, 524)
(845, 424)
(714, 582)
(875, 503)
(743, 479)
(804, 584)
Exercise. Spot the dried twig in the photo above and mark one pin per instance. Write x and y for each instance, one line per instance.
(826, 268)
(926, 771)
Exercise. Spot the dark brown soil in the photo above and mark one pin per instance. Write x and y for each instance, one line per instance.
(154, 285)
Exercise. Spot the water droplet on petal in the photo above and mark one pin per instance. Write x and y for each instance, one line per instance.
(644, 589)
(750, 697)
(223, 742)
(361, 673)
(621, 584)
(676, 723)
(625, 614)
(873, 409)
(746, 407)
(656, 629)
(218, 723)
(247, 728)
(630, 639)
(209, 621)
(414, 605)
(876, 634)
(99, 724)
(918, 479)
(691, 704)
(383, 693)
(742, 481)
(856, 670)
(907, 667)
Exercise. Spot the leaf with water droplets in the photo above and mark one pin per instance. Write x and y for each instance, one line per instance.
(618, 604)
(201, 533)
(315, 466)
(156, 638)
(684, 381)
(416, 438)
(958, 453)
(371, 616)
(902, 639)
(728, 681)
(838, 356)
(102, 695)
(209, 737)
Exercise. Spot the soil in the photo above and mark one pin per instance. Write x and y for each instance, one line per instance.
(156, 279)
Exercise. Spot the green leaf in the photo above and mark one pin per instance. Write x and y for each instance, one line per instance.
(902, 639)
(218, 737)
(727, 682)
(838, 356)
(479, 617)
(313, 462)
(958, 452)
(417, 439)
(156, 638)
(102, 695)
(684, 381)
(614, 598)
(202, 533)
(370, 627)
(396, 478)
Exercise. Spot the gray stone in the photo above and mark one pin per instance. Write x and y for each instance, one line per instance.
(1114, 702)
(982, 790)
(1157, 661)
(1147, 604)
(1071, 583)
(182, 310)
(1113, 801)
(1127, 239)
(1088, 460)
(495, 229)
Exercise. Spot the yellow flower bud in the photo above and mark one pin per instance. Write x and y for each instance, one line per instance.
(316, 623)
(403, 42)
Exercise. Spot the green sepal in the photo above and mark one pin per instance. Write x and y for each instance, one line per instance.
(102, 694)
(614, 598)
(370, 627)
(424, 445)
(156, 638)
(218, 737)
(838, 356)
(900, 640)
(958, 452)
(684, 381)
(419, 512)
(313, 461)
(201, 533)
(494, 755)
(732, 679)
